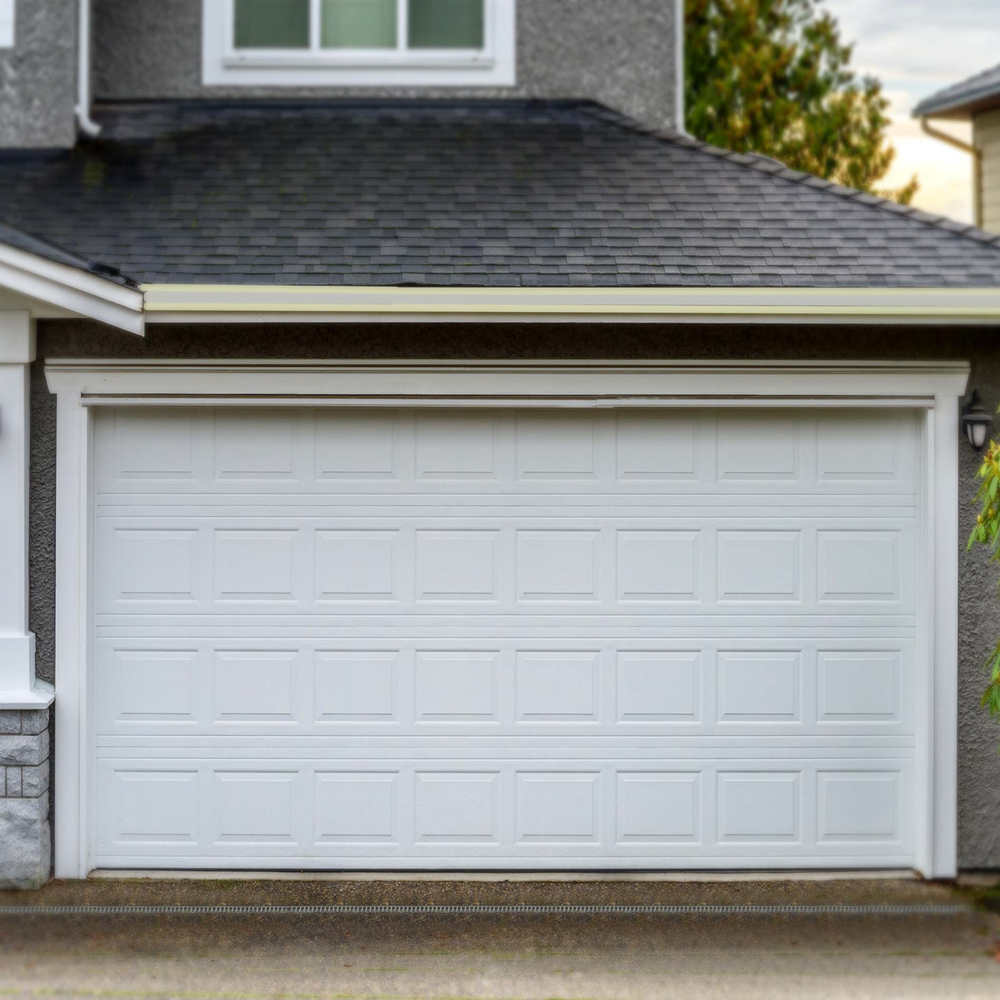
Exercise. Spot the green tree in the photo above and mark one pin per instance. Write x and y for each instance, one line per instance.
(987, 532)
(773, 77)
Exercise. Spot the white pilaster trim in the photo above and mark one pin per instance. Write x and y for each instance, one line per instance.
(934, 388)
(18, 687)
(944, 856)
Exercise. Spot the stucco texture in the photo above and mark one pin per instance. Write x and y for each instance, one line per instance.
(618, 52)
(979, 612)
(38, 77)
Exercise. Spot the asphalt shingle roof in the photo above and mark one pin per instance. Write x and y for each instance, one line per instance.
(13, 237)
(500, 193)
(960, 98)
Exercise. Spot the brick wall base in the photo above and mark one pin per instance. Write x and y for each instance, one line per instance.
(25, 837)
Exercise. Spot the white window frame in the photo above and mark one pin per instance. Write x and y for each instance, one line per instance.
(933, 389)
(7, 19)
(225, 65)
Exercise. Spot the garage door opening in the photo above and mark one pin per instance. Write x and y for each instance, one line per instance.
(631, 638)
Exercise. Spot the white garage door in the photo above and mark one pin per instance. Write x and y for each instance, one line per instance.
(495, 639)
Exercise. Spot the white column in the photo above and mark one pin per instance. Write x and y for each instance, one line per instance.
(944, 862)
(18, 687)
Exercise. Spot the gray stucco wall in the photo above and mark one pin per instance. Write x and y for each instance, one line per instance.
(618, 52)
(979, 613)
(38, 77)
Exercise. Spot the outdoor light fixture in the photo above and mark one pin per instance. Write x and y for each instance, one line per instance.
(976, 420)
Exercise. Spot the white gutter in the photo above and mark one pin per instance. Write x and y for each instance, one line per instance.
(86, 124)
(173, 303)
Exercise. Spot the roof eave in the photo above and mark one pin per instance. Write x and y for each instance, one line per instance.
(51, 289)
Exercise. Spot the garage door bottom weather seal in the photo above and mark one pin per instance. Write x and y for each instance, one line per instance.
(499, 909)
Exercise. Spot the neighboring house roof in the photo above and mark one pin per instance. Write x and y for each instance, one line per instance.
(18, 239)
(977, 93)
(492, 193)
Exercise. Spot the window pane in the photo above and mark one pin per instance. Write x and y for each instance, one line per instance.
(358, 24)
(446, 24)
(271, 24)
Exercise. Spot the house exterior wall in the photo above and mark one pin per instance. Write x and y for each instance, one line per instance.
(986, 139)
(979, 787)
(618, 52)
(38, 77)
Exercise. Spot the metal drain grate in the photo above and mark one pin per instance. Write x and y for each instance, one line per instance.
(499, 909)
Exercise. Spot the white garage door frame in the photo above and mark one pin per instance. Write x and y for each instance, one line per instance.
(933, 388)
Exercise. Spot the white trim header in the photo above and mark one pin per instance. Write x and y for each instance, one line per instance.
(489, 383)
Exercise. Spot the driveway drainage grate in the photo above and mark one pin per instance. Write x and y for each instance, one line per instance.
(545, 909)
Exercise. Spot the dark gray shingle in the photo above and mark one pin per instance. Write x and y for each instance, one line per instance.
(460, 193)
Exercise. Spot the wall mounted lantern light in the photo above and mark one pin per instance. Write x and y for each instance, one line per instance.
(976, 420)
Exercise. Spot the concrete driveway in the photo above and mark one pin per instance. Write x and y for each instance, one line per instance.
(746, 956)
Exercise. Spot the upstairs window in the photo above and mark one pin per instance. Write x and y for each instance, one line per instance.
(358, 42)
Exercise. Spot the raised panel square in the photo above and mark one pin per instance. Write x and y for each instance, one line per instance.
(254, 806)
(858, 565)
(457, 807)
(155, 564)
(658, 807)
(656, 445)
(254, 685)
(156, 685)
(457, 686)
(557, 565)
(356, 686)
(556, 446)
(758, 806)
(254, 564)
(759, 686)
(457, 565)
(253, 445)
(657, 565)
(760, 446)
(759, 566)
(557, 686)
(558, 807)
(858, 686)
(154, 444)
(856, 446)
(355, 807)
(156, 806)
(659, 686)
(354, 445)
(858, 805)
(355, 565)
(455, 446)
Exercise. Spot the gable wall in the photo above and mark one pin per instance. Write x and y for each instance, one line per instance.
(618, 52)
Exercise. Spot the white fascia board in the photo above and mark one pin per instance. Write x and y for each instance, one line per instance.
(54, 289)
(172, 303)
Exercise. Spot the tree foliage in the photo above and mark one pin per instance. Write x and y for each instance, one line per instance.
(773, 77)
(987, 532)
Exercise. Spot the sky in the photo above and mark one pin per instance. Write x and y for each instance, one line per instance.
(916, 47)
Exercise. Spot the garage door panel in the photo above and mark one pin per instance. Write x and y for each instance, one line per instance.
(152, 563)
(502, 638)
(755, 686)
(245, 451)
(504, 811)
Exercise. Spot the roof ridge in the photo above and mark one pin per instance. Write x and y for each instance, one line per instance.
(764, 164)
